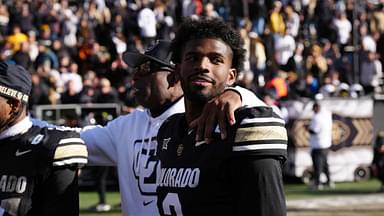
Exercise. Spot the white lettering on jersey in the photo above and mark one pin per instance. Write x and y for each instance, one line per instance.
(172, 200)
(165, 143)
(13, 184)
(37, 139)
(179, 177)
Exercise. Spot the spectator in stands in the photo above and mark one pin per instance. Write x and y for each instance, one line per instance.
(69, 26)
(164, 21)
(25, 18)
(324, 19)
(88, 95)
(119, 71)
(15, 39)
(367, 42)
(295, 63)
(285, 46)
(246, 46)
(70, 95)
(312, 86)
(107, 93)
(332, 85)
(98, 59)
(60, 50)
(72, 74)
(39, 91)
(258, 58)
(246, 79)
(316, 64)
(89, 92)
(22, 58)
(258, 13)
(46, 36)
(209, 11)
(46, 54)
(146, 21)
(85, 32)
(278, 84)
(276, 19)
(343, 27)
(4, 21)
(377, 19)
(50, 75)
(332, 54)
(292, 21)
(33, 50)
(371, 72)
(186, 8)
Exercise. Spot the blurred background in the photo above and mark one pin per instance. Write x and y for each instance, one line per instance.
(298, 52)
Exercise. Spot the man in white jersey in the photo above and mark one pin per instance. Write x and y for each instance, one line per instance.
(129, 142)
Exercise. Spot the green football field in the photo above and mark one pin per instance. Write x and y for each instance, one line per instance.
(293, 191)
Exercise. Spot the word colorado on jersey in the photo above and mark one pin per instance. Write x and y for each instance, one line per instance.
(13, 184)
(179, 177)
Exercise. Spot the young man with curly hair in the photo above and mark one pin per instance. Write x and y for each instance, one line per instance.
(240, 175)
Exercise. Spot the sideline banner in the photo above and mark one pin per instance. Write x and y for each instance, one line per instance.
(352, 121)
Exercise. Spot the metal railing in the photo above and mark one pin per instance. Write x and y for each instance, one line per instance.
(58, 114)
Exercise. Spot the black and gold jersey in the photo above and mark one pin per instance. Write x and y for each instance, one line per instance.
(241, 175)
(38, 172)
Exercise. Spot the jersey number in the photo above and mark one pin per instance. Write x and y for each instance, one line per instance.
(172, 199)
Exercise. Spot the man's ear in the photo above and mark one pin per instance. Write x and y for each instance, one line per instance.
(232, 76)
(178, 72)
(173, 78)
(15, 106)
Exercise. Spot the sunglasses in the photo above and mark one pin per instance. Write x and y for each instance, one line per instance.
(148, 68)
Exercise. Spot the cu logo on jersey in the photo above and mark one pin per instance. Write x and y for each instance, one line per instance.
(145, 165)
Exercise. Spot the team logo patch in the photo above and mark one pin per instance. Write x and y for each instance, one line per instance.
(165, 143)
(179, 150)
(19, 153)
(190, 131)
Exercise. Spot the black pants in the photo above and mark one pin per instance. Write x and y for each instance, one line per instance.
(101, 183)
(320, 164)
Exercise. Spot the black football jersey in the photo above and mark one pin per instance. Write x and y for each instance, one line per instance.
(38, 172)
(241, 175)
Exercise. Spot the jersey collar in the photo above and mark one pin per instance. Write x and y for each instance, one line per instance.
(19, 128)
(177, 107)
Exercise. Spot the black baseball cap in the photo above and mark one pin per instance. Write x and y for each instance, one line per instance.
(160, 53)
(15, 81)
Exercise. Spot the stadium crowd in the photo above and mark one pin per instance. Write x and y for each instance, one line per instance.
(295, 48)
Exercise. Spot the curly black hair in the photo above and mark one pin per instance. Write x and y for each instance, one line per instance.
(213, 28)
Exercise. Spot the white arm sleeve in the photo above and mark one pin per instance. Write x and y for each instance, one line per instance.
(100, 144)
(248, 98)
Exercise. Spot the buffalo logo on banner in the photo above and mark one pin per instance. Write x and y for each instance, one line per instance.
(346, 131)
